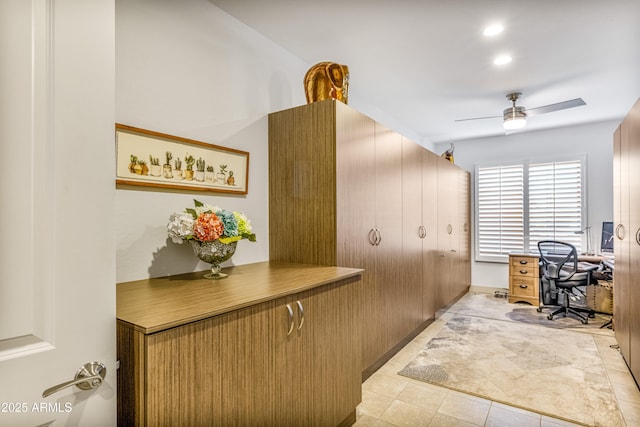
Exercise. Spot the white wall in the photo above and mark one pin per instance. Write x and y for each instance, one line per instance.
(594, 140)
(188, 69)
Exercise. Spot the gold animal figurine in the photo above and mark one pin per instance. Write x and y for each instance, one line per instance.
(327, 80)
(449, 153)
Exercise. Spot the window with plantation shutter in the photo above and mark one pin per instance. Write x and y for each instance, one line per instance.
(521, 203)
(555, 202)
(500, 211)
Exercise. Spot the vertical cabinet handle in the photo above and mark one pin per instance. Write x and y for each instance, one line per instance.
(422, 232)
(638, 236)
(291, 323)
(374, 236)
(619, 228)
(449, 229)
(301, 310)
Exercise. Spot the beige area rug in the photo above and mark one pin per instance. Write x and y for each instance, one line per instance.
(488, 306)
(546, 370)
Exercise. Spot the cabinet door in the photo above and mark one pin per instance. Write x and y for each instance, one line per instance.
(317, 364)
(447, 232)
(389, 262)
(330, 340)
(215, 372)
(621, 242)
(180, 363)
(413, 230)
(464, 228)
(634, 240)
(355, 206)
(430, 255)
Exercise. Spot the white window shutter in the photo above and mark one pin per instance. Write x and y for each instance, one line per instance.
(555, 202)
(500, 213)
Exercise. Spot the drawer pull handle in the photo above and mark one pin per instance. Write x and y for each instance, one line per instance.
(524, 262)
(523, 286)
(523, 271)
(290, 310)
(301, 310)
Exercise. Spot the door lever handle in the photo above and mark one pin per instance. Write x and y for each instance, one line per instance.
(90, 376)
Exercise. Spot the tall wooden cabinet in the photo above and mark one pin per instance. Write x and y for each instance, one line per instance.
(626, 212)
(345, 190)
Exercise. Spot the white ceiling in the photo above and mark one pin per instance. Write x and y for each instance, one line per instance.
(426, 63)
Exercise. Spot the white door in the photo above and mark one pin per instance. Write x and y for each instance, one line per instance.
(57, 249)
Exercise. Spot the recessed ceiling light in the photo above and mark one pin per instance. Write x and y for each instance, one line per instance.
(493, 30)
(502, 60)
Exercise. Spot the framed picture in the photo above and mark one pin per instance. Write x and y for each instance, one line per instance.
(154, 159)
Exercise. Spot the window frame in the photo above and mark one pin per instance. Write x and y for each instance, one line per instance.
(504, 258)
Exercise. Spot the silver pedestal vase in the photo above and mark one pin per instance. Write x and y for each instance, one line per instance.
(215, 253)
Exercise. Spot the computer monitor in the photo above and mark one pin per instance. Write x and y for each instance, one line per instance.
(606, 242)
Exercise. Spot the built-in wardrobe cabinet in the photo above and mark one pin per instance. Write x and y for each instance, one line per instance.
(626, 213)
(345, 190)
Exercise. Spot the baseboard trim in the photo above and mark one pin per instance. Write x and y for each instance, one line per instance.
(485, 289)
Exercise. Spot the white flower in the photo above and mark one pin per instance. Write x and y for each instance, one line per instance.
(206, 208)
(180, 226)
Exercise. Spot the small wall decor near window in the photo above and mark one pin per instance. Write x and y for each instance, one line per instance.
(154, 159)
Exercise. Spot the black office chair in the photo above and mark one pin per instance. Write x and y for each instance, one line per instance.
(559, 278)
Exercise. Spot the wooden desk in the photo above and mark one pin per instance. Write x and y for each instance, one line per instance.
(272, 344)
(595, 259)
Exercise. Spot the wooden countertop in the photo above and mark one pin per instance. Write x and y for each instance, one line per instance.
(153, 305)
(537, 255)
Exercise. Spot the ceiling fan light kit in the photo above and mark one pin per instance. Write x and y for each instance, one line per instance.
(514, 118)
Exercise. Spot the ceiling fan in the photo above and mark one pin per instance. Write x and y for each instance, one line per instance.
(515, 117)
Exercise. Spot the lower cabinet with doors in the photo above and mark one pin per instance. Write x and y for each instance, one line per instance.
(272, 344)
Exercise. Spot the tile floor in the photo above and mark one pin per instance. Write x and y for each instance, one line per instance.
(389, 399)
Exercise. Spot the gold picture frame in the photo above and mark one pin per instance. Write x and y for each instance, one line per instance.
(153, 159)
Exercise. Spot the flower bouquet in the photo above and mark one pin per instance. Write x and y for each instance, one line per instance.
(213, 233)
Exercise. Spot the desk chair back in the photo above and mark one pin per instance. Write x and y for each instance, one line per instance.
(559, 275)
(559, 260)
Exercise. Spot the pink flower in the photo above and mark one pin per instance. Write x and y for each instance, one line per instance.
(208, 227)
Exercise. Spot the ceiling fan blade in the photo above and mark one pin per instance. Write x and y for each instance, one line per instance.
(555, 107)
(477, 118)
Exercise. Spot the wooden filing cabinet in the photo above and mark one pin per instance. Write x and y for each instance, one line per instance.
(524, 278)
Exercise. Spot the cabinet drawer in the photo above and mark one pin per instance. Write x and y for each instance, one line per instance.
(528, 270)
(523, 261)
(524, 286)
